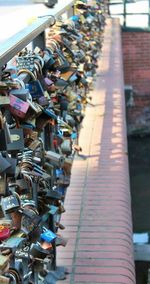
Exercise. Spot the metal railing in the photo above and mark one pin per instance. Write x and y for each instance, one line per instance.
(34, 33)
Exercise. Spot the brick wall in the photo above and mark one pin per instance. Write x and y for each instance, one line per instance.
(136, 59)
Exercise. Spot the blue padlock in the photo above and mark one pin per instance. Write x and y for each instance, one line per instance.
(50, 113)
(61, 189)
(74, 135)
(79, 107)
(48, 236)
(59, 172)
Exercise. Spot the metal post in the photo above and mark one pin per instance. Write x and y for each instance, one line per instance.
(149, 14)
(70, 12)
(39, 41)
(124, 12)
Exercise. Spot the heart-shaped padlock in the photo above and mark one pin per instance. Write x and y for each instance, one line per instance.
(4, 233)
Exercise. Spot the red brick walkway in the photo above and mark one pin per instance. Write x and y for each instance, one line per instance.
(98, 214)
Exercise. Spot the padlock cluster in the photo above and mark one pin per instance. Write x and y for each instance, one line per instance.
(42, 105)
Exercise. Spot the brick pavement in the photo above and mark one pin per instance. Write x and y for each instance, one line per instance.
(98, 206)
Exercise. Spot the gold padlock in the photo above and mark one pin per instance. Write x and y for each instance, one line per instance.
(4, 280)
(1, 228)
(3, 261)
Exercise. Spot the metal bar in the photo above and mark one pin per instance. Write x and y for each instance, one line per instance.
(17, 42)
(70, 11)
(149, 14)
(39, 41)
(64, 9)
(116, 3)
(121, 14)
(124, 12)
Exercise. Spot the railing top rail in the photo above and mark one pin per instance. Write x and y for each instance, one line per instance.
(17, 42)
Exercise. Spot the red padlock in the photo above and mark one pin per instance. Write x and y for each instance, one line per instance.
(4, 233)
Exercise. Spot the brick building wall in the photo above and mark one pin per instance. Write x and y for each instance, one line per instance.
(136, 59)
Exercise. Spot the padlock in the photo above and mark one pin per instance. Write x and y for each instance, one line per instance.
(30, 219)
(13, 242)
(50, 88)
(4, 260)
(22, 186)
(18, 107)
(34, 144)
(4, 164)
(61, 241)
(4, 101)
(50, 278)
(4, 280)
(47, 236)
(61, 188)
(54, 158)
(19, 234)
(34, 106)
(63, 103)
(61, 207)
(4, 133)
(35, 88)
(22, 252)
(50, 113)
(66, 147)
(49, 168)
(43, 101)
(61, 63)
(7, 223)
(48, 81)
(53, 210)
(53, 195)
(21, 93)
(13, 275)
(25, 61)
(68, 76)
(3, 184)
(10, 203)
(42, 120)
(38, 265)
(74, 135)
(60, 226)
(49, 60)
(16, 220)
(4, 233)
(46, 245)
(63, 181)
(11, 171)
(70, 120)
(58, 172)
(36, 251)
(17, 140)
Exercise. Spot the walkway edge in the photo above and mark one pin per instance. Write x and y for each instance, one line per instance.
(98, 204)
